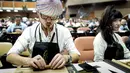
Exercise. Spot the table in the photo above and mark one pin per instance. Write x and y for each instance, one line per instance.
(13, 37)
(107, 67)
(76, 34)
(67, 69)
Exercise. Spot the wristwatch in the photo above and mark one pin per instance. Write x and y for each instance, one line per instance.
(70, 59)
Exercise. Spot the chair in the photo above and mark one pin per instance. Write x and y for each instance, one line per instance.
(70, 29)
(83, 29)
(4, 47)
(25, 53)
(85, 47)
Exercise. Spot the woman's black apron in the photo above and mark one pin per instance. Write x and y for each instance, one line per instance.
(114, 51)
(46, 49)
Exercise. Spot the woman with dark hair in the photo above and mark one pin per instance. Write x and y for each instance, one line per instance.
(108, 44)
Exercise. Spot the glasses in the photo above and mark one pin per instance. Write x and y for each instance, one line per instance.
(45, 17)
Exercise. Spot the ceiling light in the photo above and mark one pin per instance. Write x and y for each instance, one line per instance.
(15, 10)
(1, 10)
(34, 11)
(8, 10)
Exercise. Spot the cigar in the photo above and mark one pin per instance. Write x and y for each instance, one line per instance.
(47, 66)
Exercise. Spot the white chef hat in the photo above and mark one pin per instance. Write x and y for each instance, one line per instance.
(49, 7)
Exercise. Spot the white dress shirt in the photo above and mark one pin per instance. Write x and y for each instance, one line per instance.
(27, 39)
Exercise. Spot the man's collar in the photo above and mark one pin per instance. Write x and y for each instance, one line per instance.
(52, 29)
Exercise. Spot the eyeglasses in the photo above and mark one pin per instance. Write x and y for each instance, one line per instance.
(45, 17)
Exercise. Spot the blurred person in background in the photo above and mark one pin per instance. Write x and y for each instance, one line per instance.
(124, 26)
(17, 27)
(2, 22)
(60, 22)
(29, 22)
(24, 20)
(70, 23)
(10, 21)
(35, 21)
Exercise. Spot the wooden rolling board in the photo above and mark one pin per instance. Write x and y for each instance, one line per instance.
(29, 70)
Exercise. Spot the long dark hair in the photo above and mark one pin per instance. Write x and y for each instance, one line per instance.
(109, 15)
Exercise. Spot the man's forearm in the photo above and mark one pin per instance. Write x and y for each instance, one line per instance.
(17, 59)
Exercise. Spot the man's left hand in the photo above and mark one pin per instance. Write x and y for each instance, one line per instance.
(58, 61)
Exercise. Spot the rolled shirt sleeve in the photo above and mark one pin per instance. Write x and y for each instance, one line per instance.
(21, 43)
(99, 48)
(69, 43)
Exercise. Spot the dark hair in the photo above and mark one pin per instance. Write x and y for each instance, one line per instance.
(128, 23)
(2, 20)
(109, 15)
(18, 16)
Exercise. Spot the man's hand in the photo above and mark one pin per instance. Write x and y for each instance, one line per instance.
(58, 61)
(18, 30)
(37, 62)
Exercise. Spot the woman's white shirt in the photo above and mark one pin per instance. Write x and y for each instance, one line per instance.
(100, 46)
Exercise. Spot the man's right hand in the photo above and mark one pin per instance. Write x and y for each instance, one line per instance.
(36, 62)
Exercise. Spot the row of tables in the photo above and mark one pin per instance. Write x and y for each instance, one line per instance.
(12, 37)
(82, 33)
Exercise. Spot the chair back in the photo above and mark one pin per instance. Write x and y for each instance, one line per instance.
(85, 47)
(4, 47)
(83, 29)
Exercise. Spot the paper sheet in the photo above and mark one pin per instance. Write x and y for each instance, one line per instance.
(105, 67)
(78, 68)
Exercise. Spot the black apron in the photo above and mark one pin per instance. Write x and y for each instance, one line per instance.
(46, 49)
(114, 51)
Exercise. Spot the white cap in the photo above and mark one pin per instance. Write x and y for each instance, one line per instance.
(49, 7)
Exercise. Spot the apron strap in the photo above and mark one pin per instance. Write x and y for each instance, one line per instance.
(52, 37)
(115, 37)
(36, 30)
(56, 33)
(40, 36)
